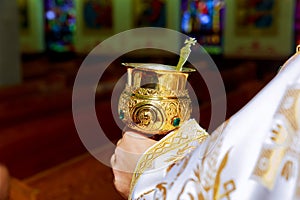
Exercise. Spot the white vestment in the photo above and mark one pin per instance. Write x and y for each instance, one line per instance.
(253, 155)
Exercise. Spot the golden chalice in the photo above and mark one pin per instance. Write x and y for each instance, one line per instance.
(155, 99)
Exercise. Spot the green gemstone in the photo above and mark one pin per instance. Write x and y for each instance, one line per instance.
(176, 121)
(121, 114)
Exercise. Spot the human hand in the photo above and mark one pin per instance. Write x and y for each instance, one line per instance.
(127, 153)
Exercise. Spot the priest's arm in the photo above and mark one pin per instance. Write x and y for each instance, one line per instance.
(253, 155)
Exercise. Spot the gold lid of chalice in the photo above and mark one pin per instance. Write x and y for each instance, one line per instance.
(155, 99)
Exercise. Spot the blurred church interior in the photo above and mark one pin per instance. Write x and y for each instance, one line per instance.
(43, 44)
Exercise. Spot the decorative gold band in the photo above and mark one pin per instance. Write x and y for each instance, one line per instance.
(154, 111)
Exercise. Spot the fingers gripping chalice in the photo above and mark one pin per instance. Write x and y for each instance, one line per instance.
(155, 100)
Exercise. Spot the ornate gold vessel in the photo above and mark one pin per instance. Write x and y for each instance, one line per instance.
(155, 99)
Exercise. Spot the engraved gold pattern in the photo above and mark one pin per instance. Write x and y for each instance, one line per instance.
(153, 111)
(155, 97)
(149, 93)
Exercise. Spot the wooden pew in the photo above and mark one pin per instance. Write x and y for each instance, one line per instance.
(35, 145)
